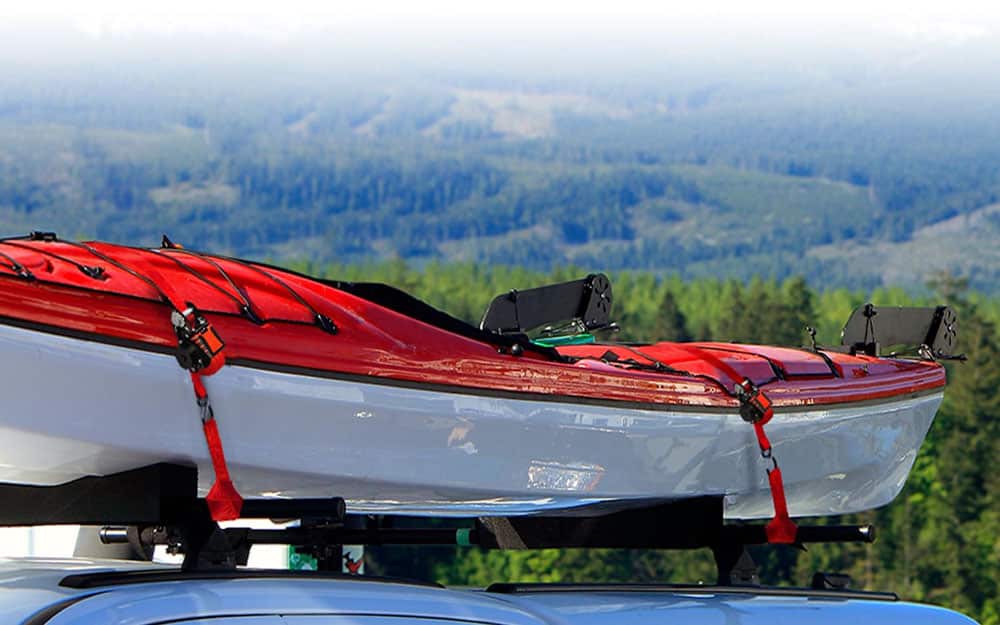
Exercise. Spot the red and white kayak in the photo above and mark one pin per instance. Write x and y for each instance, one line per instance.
(322, 388)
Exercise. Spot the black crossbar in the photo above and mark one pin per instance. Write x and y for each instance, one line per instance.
(153, 494)
(159, 504)
(158, 494)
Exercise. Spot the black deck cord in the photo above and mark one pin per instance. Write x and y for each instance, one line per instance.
(777, 367)
(704, 376)
(150, 282)
(17, 267)
(437, 318)
(321, 320)
(247, 307)
(662, 367)
(818, 350)
(242, 302)
(97, 273)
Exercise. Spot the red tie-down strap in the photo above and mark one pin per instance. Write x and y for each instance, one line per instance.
(224, 501)
(756, 408)
(200, 351)
(781, 529)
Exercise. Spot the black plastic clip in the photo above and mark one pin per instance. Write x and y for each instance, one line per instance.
(325, 323)
(39, 235)
(197, 342)
(23, 272)
(811, 331)
(205, 408)
(250, 315)
(830, 581)
(93, 271)
(755, 406)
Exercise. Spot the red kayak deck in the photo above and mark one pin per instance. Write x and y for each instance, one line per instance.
(113, 293)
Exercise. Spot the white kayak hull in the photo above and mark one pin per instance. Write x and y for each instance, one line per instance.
(73, 408)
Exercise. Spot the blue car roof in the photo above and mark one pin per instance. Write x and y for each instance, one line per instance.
(30, 588)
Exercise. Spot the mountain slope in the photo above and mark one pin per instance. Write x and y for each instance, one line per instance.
(842, 177)
(965, 245)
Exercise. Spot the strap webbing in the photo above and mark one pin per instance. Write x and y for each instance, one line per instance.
(756, 408)
(224, 501)
(199, 350)
(781, 529)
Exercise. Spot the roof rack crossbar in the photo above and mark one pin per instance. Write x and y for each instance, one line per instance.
(158, 504)
(151, 494)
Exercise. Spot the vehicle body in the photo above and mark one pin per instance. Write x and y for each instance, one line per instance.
(85, 592)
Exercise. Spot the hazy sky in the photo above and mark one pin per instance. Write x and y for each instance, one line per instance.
(957, 39)
(940, 20)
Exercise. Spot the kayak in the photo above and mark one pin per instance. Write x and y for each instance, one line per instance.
(322, 388)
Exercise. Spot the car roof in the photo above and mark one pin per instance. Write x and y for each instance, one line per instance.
(34, 586)
(731, 606)
(29, 584)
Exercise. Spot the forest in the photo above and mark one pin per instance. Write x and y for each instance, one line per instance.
(939, 541)
(712, 174)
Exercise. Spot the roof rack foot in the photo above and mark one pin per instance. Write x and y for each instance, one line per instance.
(735, 565)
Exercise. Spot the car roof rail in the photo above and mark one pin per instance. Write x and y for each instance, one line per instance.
(841, 593)
(101, 579)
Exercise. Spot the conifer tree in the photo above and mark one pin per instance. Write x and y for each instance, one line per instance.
(964, 445)
(759, 314)
(798, 300)
(732, 325)
(671, 325)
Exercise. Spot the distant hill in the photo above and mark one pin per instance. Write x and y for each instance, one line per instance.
(834, 176)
